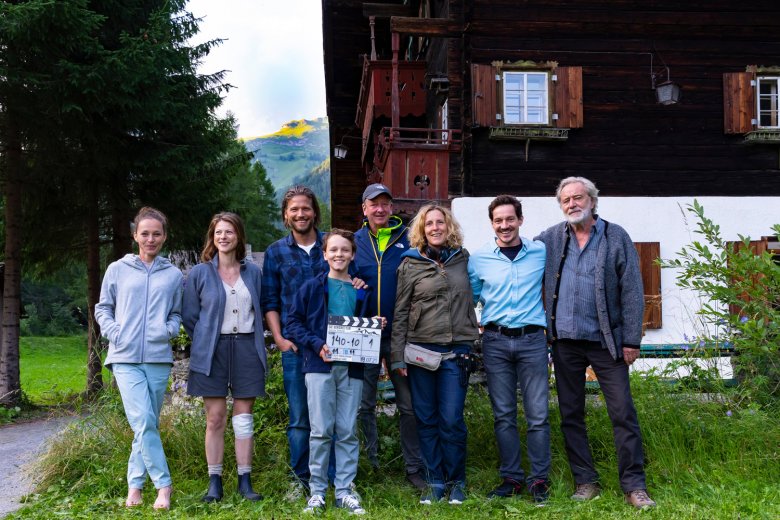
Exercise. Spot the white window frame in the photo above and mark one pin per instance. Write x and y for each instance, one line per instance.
(515, 113)
(773, 98)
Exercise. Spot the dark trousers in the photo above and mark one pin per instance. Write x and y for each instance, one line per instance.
(410, 444)
(571, 358)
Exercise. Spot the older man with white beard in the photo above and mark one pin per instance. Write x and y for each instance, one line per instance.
(594, 301)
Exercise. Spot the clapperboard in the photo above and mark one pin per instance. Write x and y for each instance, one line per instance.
(354, 339)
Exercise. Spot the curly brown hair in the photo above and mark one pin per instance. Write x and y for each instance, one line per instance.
(417, 227)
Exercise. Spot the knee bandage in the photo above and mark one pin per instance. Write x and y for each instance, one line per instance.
(243, 425)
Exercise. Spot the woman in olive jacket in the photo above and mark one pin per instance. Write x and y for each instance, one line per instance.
(434, 310)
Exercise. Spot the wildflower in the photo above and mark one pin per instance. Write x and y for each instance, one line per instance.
(728, 413)
(744, 319)
(686, 347)
(685, 337)
(701, 343)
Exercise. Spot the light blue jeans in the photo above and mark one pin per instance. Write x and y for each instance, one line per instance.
(142, 386)
(333, 400)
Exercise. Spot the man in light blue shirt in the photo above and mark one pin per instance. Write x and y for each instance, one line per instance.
(506, 275)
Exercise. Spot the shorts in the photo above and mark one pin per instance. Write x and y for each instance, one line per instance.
(235, 367)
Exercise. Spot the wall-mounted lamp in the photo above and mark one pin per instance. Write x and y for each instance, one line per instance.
(666, 92)
(340, 150)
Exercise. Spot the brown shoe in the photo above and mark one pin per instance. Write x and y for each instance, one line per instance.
(639, 499)
(587, 491)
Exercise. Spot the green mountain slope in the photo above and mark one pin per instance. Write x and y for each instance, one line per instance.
(296, 154)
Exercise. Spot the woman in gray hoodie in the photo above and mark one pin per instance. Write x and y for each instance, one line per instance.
(140, 312)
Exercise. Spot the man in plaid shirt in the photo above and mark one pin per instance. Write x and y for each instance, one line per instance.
(288, 263)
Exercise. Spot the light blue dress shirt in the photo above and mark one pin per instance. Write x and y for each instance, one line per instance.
(511, 290)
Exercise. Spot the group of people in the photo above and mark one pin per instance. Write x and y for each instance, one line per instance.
(576, 287)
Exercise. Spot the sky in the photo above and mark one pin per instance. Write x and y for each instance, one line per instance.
(273, 54)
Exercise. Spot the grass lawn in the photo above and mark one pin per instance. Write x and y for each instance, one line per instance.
(53, 369)
(705, 460)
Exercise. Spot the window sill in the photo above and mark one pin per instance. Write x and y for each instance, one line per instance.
(769, 136)
(526, 133)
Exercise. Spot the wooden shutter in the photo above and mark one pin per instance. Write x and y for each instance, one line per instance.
(739, 102)
(651, 279)
(484, 93)
(758, 247)
(568, 97)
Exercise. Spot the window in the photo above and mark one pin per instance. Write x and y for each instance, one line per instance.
(751, 104)
(510, 96)
(768, 102)
(526, 98)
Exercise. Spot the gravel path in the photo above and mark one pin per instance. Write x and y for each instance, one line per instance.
(19, 445)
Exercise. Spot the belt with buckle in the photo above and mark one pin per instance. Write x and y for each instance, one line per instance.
(506, 331)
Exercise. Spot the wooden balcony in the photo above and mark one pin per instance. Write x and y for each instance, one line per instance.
(414, 162)
(375, 98)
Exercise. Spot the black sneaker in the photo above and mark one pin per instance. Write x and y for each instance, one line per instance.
(508, 488)
(540, 491)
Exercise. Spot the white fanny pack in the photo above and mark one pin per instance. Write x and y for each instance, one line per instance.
(424, 358)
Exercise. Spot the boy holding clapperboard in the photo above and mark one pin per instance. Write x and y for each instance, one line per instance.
(334, 388)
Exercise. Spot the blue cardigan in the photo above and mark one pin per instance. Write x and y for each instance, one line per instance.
(204, 307)
(307, 324)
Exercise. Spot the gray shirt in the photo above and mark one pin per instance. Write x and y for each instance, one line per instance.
(577, 316)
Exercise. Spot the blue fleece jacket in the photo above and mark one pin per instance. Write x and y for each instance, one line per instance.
(379, 270)
(204, 308)
(307, 323)
(140, 310)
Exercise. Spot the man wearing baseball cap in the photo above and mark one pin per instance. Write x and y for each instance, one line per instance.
(380, 243)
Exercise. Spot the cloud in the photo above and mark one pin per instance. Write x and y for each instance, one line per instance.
(273, 52)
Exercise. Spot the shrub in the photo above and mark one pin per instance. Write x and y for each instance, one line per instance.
(728, 277)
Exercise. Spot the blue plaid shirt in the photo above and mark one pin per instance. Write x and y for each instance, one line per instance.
(285, 269)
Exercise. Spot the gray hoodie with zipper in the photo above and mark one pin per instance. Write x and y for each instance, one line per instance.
(140, 310)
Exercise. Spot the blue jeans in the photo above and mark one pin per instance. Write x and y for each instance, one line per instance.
(298, 425)
(142, 386)
(438, 398)
(333, 399)
(410, 445)
(509, 360)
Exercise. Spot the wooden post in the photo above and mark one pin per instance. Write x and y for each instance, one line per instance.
(394, 95)
(372, 23)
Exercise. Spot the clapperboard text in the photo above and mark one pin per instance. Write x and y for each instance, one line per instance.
(354, 339)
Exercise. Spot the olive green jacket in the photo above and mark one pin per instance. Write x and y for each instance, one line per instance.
(433, 303)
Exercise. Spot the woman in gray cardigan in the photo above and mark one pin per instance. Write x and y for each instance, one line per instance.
(222, 315)
(139, 313)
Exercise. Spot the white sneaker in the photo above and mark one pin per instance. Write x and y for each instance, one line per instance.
(316, 504)
(351, 503)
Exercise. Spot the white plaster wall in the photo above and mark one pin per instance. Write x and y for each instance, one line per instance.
(647, 219)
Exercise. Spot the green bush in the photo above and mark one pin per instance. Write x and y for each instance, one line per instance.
(723, 275)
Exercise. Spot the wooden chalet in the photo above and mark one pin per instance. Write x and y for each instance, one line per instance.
(451, 98)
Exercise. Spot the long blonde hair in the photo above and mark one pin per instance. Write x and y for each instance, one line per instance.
(417, 228)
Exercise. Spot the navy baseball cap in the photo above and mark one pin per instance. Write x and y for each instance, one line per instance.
(375, 190)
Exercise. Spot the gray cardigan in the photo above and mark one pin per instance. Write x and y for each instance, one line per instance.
(204, 306)
(619, 292)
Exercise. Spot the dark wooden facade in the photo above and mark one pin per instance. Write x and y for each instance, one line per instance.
(627, 143)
